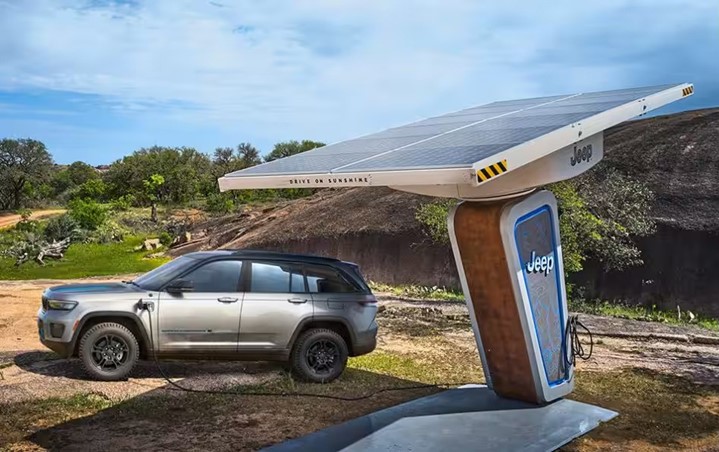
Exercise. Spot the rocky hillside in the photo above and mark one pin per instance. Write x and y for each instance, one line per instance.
(676, 155)
(374, 227)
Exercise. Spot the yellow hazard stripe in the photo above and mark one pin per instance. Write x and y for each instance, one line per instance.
(488, 172)
(688, 90)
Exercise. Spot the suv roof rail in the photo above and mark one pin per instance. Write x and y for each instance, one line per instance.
(268, 253)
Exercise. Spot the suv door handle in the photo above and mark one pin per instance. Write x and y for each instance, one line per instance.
(297, 300)
(227, 300)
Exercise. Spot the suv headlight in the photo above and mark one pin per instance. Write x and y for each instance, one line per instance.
(60, 305)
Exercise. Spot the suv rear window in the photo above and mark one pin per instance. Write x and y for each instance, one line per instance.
(322, 279)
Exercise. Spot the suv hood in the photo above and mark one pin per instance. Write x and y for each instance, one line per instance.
(82, 289)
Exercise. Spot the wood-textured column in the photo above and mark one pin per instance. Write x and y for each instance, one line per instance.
(478, 238)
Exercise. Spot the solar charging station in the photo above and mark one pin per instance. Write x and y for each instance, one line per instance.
(504, 232)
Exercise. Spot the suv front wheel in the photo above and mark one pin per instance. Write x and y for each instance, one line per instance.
(319, 355)
(108, 351)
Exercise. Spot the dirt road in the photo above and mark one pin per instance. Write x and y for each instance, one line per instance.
(11, 219)
(50, 403)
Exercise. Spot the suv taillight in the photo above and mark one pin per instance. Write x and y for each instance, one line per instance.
(368, 302)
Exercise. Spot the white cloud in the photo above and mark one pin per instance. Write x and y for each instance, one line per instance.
(328, 68)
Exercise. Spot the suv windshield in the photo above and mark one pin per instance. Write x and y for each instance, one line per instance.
(155, 279)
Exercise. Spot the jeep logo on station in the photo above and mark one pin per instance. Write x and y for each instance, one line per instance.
(543, 264)
(581, 154)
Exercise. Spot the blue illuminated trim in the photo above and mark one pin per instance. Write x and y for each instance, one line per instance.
(88, 288)
(525, 217)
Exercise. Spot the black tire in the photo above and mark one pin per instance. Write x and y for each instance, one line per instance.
(319, 356)
(108, 351)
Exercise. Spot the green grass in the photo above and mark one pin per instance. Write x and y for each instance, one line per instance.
(642, 313)
(421, 292)
(22, 417)
(83, 260)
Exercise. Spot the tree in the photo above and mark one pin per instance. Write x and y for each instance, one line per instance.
(288, 148)
(92, 189)
(22, 162)
(248, 155)
(616, 210)
(227, 160)
(185, 171)
(153, 187)
(81, 172)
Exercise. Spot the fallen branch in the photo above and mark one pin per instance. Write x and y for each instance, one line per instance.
(37, 249)
(55, 250)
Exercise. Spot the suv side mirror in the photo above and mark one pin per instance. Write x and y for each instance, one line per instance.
(179, 286)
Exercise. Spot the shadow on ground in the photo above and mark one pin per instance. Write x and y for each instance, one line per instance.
(655, 410)
(176, 420)
(51, 365)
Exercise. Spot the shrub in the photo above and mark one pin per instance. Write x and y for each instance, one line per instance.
(433, 217)
(165, 238)
(25, 214)
(60, 228)
(108, 232)
(123, 203)
(219, 203)
(26, 224)
(89, 214)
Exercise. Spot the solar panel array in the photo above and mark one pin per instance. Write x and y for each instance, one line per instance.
(454, 140)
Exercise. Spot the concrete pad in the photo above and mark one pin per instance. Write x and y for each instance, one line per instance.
(468, 418)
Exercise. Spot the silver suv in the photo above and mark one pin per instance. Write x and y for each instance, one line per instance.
(311, 311)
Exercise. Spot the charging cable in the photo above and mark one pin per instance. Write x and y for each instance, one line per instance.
(573, 347)
(144, 306)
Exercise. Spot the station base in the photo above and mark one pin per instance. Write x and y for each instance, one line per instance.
(467, 418)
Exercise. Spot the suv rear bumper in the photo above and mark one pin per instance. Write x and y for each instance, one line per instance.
(365, 342)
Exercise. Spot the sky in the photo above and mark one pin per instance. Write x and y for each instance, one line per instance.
(97, 79)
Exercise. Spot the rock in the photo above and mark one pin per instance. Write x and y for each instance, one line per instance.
(181, 239)
(155, 255)
(149, 245)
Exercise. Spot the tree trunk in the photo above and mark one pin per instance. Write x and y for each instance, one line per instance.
(153, 214)
(17, 194)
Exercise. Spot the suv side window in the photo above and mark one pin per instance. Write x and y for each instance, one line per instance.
(323, 279)
(216, 276)
(277, 278)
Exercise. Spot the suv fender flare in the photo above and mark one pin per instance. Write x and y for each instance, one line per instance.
(134, 318)
(329, 319)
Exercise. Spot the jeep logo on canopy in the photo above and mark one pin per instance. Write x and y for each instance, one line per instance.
(581, 154)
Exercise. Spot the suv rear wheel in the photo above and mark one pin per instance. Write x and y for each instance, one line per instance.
(319, 355)
(108, 351)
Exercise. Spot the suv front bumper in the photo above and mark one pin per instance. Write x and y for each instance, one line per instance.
(55, 331)
(63, 349)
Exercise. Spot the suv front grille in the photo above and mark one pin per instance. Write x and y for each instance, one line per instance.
(44, 304)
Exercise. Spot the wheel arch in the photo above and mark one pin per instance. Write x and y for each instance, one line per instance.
(129, 320)
(336, 324)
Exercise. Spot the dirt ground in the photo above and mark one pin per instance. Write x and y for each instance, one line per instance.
(10, 219)
(55, 407)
